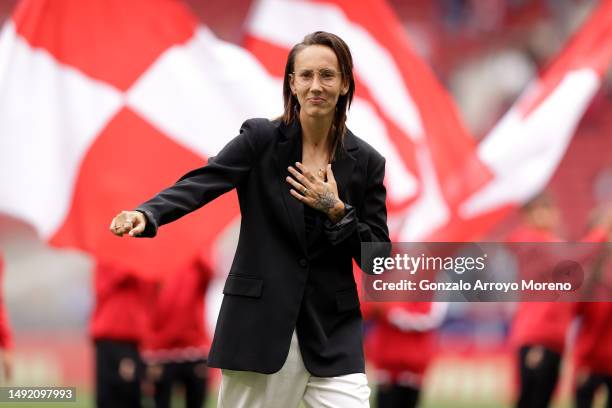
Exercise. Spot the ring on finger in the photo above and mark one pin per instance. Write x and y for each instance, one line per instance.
(304, 191)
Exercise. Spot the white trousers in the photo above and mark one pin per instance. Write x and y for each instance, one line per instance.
(292, 384)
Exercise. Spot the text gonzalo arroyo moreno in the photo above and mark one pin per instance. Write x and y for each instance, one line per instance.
(409, 265)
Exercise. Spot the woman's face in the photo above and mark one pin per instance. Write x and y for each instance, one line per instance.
(317, 81)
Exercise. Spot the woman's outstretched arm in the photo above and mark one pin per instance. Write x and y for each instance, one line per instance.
(196, 188)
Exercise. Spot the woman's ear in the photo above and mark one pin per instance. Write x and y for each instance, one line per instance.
(292, 85)
(345, 88)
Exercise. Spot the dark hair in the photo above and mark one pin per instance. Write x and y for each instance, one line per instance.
(345, 60)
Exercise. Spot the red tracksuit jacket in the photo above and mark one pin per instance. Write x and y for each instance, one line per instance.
(177, 330)
(593, 349)
(403, 341)
(540, 323)
(122, 305)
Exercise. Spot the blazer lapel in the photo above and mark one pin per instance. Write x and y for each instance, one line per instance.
(344, 163)
(289, 151)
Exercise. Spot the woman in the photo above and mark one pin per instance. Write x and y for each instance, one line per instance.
(310, 193)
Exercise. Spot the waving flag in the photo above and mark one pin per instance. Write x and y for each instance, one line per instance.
(400, 107)
(524, 149)
(104, 103)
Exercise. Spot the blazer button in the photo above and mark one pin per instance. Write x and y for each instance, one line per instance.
(303, 263)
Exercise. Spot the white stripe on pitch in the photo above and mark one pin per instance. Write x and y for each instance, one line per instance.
(50, 114)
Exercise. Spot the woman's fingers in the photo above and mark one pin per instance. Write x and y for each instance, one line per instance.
(139, 222)
(298, 190)
(297, 195)
(312, 190)
(137, 230)
(307, 173)
(115, 226)
(295, 184)
(300, 177)
(132, 222)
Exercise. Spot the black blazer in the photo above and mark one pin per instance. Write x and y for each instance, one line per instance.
(278, 282)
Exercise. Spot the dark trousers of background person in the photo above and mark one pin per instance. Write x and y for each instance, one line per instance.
(119, 370)
(539, 371)
(397, 396)
(585, 392)
(191, 374)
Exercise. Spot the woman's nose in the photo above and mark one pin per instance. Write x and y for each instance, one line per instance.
(316, 83)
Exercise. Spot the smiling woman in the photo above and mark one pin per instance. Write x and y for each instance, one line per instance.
(310, 193)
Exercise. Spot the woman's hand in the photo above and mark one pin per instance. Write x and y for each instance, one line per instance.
(132, 222)
(315, 192)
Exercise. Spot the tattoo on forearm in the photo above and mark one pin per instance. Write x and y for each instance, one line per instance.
(325, 201)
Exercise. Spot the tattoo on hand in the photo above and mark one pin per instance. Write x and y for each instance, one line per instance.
(325, 201)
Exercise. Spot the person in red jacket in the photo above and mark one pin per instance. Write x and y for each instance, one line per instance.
(593, 353)
(593, 347)
(539, 328)
(6, 343)
(117, 327)
(401, 345)
(177, 343)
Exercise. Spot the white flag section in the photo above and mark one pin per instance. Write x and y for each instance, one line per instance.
(525, 148)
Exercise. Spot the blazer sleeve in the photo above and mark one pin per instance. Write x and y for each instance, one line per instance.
(370, 223)
(200, 186)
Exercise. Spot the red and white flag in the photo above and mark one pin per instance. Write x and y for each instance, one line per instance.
(525, 148)
(103, 104)
(400, 107)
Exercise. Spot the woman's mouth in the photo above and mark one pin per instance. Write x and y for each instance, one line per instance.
(316, 100)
